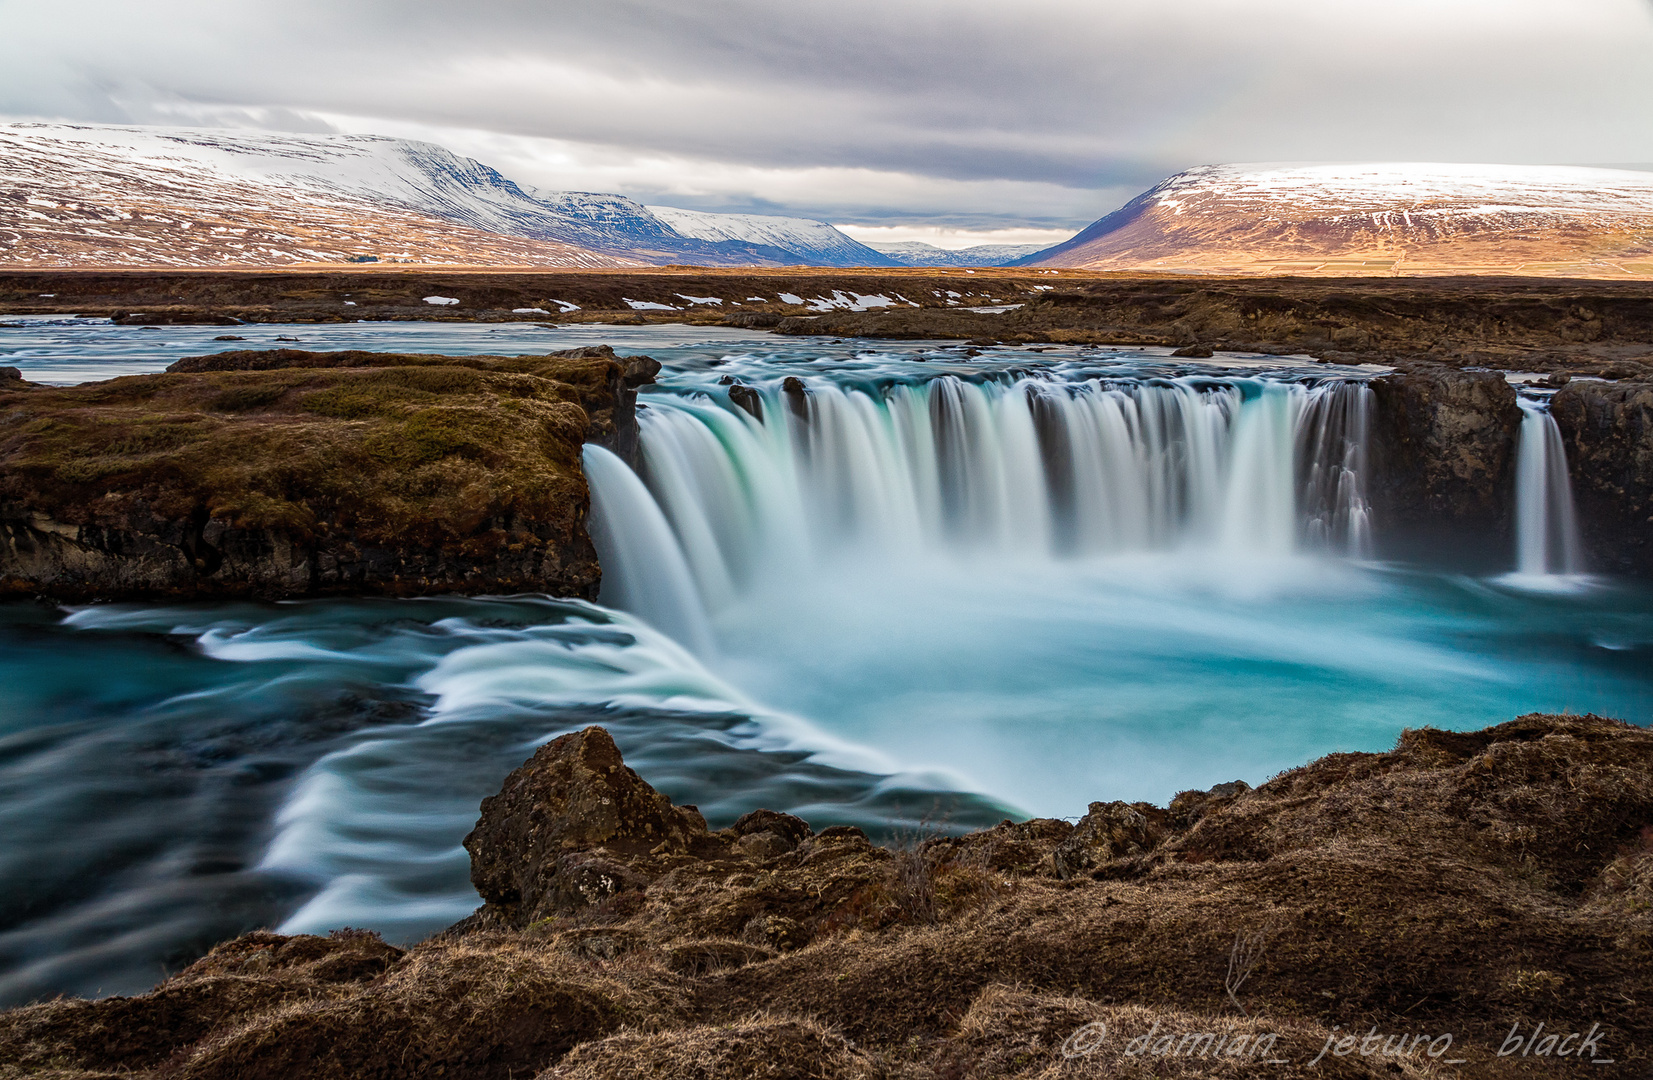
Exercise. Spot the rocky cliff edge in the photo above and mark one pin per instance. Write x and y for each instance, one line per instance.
(1403, 914)
(282, 473)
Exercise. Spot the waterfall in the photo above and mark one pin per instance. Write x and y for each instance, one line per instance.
(1546, 526)
(1025, 468)
(646, 571)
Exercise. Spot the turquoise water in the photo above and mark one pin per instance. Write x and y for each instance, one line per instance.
(857, 649)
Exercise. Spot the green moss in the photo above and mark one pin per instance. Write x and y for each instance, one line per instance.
(413, 453)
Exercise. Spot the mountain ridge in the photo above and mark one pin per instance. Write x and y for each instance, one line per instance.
(319, 198)
(918, 253)
(1370, 218)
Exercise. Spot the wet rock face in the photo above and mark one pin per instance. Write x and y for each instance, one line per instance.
(748, 399)
(1444, 446)
(575, 795)
(1607, 429)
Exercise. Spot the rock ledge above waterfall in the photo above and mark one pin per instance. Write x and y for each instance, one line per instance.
(281, 473)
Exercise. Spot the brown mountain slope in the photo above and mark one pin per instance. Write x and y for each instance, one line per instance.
(79, 205)
(1379, 219)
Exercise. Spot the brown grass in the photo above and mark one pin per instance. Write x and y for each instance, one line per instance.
(1462, 883)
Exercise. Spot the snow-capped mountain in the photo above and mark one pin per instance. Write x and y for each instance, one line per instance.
(918, 253)
(1378, 218)
(828, 246)
(102, 196)
(178, 196)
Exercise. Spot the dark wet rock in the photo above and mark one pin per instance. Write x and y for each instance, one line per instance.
(1607, 429)
(1443, 447)
(10, 373)
(1199, 352)
(750, 400)
(797, 396)
(1109, 831)
(727, 380)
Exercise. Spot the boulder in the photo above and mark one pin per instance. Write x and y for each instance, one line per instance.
(574, 796)
(747, 398)
(1190, 806)
(1109, 831)
(797, 396)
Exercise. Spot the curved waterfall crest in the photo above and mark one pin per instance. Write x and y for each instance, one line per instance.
(1024, 466)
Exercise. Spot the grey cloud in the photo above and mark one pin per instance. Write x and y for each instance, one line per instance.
(1076, 94)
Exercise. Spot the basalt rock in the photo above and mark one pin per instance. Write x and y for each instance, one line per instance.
(282, 473)
(748, 399)
(1443, 446)
(796, 392)
(1607, 429)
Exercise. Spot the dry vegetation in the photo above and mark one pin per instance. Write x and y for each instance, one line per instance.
(1460, 884)
(1538, 324)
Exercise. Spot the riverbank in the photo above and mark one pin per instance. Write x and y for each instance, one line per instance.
(1365, 915)
(1526, 324)
(273, 474)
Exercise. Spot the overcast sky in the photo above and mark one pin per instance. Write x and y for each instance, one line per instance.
(909, 115)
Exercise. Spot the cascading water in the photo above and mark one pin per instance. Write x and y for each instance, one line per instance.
(1026, 469)
(942, 586)
(1546, 526)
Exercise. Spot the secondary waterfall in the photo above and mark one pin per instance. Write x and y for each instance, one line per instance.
(1018, 469)
(1546, 526)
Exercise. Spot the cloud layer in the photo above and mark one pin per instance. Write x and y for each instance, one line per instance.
(957, 113)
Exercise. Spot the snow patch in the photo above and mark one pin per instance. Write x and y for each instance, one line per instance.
(649, 305)
(700, 299)
(442, 301)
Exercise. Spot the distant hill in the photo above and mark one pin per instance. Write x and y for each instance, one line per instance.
(916, 253)
(1377, 219)
(813, 242)
(96, 195)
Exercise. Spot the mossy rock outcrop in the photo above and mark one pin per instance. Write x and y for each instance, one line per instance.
(281, 473)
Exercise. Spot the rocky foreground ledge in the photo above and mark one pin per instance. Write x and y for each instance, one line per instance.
(1473, 904)
(282, 473)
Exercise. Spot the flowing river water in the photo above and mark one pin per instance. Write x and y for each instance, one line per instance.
(933, 589)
